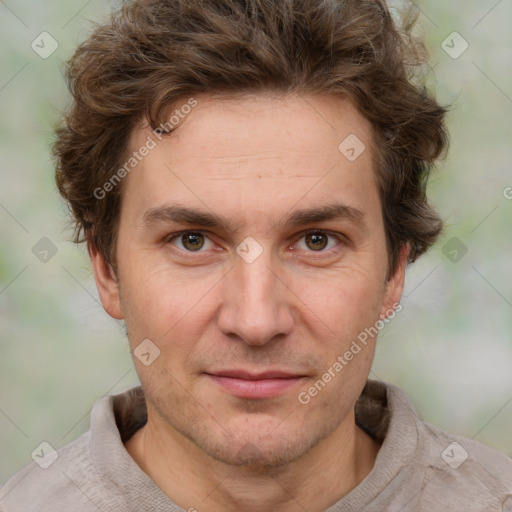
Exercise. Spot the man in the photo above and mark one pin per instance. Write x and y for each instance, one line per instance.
(249, 177)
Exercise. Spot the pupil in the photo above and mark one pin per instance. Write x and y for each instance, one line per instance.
(318, 240)
(192, 241)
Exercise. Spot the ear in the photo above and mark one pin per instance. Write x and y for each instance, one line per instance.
(106, 282)
(395, 285)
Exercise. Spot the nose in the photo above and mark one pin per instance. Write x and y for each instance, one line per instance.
(256, 304)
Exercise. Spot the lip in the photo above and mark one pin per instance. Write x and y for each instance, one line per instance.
(244, 384)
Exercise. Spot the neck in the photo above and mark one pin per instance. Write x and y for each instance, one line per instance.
(193, 480)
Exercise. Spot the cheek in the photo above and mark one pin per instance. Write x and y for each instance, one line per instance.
(167, 307)
(346, 302)
(155, 289)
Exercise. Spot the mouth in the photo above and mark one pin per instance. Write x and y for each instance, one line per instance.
(244, 384)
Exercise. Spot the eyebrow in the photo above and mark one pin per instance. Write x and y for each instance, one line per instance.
(186, 215)
(324, 213)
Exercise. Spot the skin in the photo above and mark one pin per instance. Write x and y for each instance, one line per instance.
(254, 160)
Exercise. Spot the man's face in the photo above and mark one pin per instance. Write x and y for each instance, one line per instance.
(234, 307)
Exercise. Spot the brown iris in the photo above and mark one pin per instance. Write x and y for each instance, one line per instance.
(192, 241)
(316, 241)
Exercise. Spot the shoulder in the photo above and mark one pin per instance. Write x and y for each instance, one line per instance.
(447, 468)
(454, 453)
(60, 481)
(458, 470)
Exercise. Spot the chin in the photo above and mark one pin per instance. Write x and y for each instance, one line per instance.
(257, 455)
(250, 449)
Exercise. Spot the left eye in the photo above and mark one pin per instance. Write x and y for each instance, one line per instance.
(318, 241)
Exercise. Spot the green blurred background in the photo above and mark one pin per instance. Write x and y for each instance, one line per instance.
(450, 348)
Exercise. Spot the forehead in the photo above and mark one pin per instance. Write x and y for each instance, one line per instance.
(267, 122)
(257, 153)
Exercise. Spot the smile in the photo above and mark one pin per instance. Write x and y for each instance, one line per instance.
(256, 386)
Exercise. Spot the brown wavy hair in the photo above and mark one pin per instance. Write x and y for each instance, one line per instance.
(152, 53)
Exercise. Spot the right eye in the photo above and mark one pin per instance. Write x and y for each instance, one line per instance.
(190, 241)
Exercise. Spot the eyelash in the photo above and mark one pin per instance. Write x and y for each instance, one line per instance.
(340, 239)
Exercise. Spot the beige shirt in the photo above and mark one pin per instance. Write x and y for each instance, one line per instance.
(419, 467)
